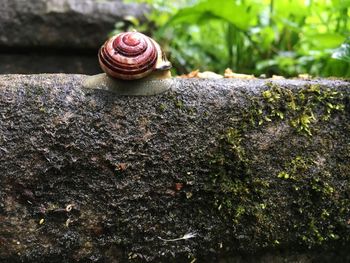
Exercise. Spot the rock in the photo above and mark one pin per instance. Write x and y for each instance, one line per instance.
(53, 36)
(46, 62)
(61, 23)
(229, 169)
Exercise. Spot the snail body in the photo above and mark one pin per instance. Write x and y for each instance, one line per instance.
(132, 56)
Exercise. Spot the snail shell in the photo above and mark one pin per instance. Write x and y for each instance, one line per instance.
(131, 55)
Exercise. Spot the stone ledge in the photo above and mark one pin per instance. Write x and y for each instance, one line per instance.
(61, 23)
(46, 36)
(250, 167)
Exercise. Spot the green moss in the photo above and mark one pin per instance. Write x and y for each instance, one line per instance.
(42, 109)
(301, 109)
(243, 195)
(162, 107)
(179, 104)
(312, 192)
(295, 168)
(233, 138)
(236, 187)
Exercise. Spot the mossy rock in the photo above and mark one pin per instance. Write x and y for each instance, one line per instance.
(210, 170)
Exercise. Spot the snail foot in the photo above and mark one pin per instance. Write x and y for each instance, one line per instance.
(148, 86)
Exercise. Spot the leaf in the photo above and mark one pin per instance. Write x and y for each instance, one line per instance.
(227, 10)
(340, 4)
(342, 53)
(325, 40)
(290, 10)
(268, 35)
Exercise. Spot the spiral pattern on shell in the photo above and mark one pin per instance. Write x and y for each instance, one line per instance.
(129, 55)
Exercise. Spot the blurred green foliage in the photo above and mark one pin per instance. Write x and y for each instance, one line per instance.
(283, 37)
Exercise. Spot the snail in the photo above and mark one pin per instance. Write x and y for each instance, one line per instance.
(134, 64)
(132, 55)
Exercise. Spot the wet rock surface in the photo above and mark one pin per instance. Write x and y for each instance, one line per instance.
(54, 36)
(61, 23)
(35, 62)
(244, 168)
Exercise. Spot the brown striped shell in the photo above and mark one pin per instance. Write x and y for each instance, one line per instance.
(131, 55)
